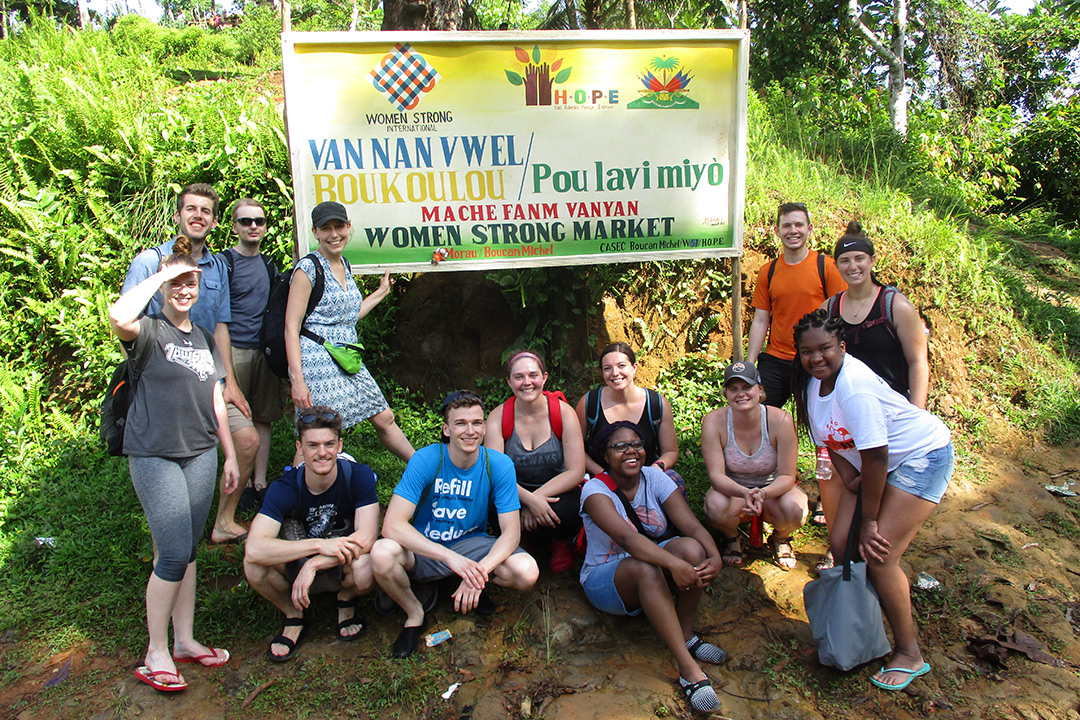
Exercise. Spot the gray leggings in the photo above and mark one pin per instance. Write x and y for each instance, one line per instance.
(176, 497)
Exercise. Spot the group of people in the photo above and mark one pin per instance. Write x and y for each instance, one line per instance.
(598, 478)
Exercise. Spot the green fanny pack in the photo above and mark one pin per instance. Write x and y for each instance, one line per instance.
(347, 356)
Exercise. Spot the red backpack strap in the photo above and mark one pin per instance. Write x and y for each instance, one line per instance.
(555, 411)
(606, 479)
(508, 418)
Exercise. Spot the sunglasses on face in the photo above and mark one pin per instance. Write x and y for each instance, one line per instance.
(621, 447)
(311, 417)
(249, 221)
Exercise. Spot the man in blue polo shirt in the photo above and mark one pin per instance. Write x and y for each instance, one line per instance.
(196, 216)
(446, 491)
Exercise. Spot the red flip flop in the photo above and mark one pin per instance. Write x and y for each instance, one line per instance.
(215, 658)
(151, 678)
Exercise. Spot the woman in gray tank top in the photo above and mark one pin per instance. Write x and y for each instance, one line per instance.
(548, 455)
(750, 452)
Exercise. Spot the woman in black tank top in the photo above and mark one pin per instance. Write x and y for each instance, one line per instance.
(881, 326)
(620, 398)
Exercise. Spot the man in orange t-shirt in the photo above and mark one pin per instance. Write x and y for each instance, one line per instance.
(786, 289)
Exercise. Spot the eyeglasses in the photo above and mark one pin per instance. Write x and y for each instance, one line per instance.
(311, 417)
(621, 447)
(249, 221)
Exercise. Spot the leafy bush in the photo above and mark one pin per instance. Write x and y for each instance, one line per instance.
(1048, 155)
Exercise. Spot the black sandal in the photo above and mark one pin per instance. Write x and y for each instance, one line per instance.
(356, 619)
(818, 518)
(291, 644)
(780, 555)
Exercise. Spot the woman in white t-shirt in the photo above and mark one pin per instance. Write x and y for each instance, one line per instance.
(900, 455)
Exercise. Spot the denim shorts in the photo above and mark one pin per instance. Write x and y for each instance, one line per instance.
(925, 477)
(600, 588)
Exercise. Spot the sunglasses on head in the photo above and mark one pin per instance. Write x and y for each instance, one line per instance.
(249, 221)
(311, 417)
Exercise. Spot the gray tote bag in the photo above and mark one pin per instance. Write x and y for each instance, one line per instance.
(843, 609)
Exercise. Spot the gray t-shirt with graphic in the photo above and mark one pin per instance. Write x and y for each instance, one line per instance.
(172, 413)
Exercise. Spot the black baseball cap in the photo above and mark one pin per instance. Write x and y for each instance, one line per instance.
(324, 212)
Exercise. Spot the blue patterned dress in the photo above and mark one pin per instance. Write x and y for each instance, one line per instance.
(355, 397)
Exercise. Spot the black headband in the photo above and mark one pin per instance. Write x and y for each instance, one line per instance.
(848, 244)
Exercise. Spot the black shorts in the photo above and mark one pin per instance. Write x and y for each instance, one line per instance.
(775, 378)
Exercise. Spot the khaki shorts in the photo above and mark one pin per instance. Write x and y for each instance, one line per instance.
(265, 392)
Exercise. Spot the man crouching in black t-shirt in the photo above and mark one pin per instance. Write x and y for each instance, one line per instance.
(316, 527)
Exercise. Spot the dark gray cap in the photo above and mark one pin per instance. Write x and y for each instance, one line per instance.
(324, 212)
(742, 370)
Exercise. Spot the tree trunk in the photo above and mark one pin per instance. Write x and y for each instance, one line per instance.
(286, 16)
(899, 94)
(429, 15)
(892, 56)
(84, 15)
(631, 15)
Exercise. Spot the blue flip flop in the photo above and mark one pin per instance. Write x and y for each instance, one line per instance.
(912, 674)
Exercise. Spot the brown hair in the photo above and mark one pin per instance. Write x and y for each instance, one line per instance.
(181, 254)
(319, 417)
(244, 202)
(200, 190)
(518, 354)
(619, 347)
(790, 207)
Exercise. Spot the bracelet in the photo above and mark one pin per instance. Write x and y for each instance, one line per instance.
(661, 464)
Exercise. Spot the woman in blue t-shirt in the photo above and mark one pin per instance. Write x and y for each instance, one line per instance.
(627, 571)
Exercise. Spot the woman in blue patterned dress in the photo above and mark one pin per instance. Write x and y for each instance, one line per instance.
(316, 378)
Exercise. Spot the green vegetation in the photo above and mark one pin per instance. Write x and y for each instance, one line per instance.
(98, 129)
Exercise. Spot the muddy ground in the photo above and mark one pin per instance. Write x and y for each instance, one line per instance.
(1001, 545)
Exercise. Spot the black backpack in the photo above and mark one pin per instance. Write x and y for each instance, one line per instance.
(119, 394)
(654, 405)
(272, 333)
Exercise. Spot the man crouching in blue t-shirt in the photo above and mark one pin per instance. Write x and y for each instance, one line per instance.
(446, 491)
(318, 520)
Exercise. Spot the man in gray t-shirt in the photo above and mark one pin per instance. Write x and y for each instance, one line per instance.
(250, 275)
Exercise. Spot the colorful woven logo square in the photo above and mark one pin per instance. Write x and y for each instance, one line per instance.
(403, 76)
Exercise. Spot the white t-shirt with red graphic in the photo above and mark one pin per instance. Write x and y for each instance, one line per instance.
(863, 412)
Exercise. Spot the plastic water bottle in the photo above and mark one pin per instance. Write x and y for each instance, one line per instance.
(823, 471)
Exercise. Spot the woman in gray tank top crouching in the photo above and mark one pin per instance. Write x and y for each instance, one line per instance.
(750, 451)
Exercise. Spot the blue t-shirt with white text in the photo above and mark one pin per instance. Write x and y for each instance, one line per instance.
(455, 505)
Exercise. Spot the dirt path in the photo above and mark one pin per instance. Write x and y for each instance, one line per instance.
(1003, 547)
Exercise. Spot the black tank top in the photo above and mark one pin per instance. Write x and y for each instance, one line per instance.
(875, 344)
(648, 437)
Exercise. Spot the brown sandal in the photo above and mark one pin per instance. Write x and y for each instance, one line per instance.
(780, 556)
